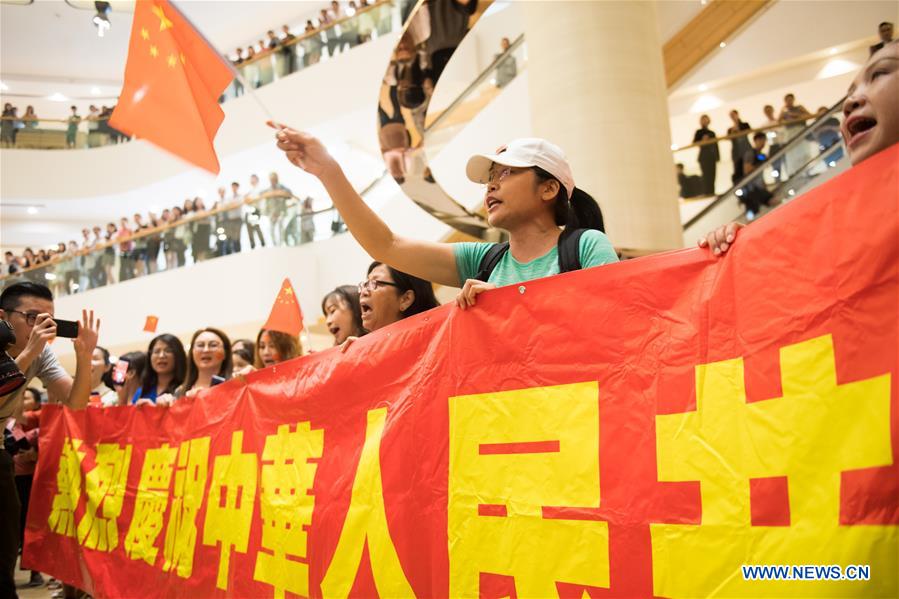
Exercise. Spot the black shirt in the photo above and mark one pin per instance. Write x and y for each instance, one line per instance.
(708, 151)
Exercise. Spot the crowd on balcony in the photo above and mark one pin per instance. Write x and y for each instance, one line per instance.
(95, 124)
(334, 31)
(143, 244)
(751, 146)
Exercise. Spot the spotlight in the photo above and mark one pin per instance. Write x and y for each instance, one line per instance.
(101, 19)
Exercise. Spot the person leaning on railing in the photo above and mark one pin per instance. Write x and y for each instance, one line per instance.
(870, 123)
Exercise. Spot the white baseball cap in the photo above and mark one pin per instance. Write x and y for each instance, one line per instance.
(523, 153)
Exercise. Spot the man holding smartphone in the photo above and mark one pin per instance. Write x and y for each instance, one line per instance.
(28, 307)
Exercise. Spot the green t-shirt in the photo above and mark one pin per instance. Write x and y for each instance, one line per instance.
(595, 249)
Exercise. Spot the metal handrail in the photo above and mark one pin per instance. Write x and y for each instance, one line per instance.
(759, 172)
(483, 76)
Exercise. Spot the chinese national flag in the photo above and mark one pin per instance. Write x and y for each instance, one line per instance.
(286, 315)
(151, 323)
(173, 80)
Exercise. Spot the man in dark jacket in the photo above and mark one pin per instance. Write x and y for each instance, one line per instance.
(708, 155)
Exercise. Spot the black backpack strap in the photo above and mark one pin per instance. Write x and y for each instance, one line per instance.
(490, 260)
(570, 250)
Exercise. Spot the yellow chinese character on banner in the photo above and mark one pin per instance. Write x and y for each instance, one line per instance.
(286, 507)
(229, 510)
(105, 489)
(150, 503)
(816, 431)
(366, 523)
(512, 454)
(187, 498)
(68, 483)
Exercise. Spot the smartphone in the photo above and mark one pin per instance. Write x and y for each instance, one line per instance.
(216, 380)
(66, 328)
(118, 374)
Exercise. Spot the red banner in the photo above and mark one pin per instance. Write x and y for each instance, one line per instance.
(655, 427)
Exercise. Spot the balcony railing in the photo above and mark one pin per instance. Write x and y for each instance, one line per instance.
(301, 52)
(275, 218)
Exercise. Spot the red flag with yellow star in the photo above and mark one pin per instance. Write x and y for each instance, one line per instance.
(286, 315)
(173, 79)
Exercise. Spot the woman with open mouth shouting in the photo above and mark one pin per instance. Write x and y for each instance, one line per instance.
(343, 316)
(387, 296)
(529, 192)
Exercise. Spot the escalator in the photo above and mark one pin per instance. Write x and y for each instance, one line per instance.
(813, 155)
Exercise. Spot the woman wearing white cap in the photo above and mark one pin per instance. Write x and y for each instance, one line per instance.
(530, 193)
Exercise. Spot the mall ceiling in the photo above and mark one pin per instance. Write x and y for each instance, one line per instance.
(49, 46)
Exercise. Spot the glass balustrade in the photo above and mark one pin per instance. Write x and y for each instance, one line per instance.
(58, 134)
(274, 219)
(732, 149)
(810, 156)
(472, 98)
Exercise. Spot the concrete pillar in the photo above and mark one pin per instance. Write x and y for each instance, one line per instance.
(597, 89)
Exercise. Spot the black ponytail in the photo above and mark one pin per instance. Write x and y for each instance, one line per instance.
(578, 212)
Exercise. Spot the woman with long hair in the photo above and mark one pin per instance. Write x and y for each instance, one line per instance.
(273, 347)
(210, 356)
(166, 371)
(343, 315)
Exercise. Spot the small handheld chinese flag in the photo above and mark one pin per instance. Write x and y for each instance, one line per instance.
(173, 79)
(286, 315)
(150, 324)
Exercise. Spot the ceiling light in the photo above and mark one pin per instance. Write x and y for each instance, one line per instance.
(722, 45)
(705, 103)
(837, 66)
(95, 91)
(101, 19)
(32, 210)
(3, 86)
(703, 87)
(833, 51)
(57, 97)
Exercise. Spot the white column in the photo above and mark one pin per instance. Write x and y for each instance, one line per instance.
(597, 89)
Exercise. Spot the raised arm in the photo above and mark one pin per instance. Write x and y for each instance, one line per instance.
(432, 261)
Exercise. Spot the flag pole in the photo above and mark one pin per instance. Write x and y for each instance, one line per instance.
(237, 74)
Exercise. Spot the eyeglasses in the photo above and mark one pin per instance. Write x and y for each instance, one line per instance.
(162, 351)
(30, 317)
(495, 176)
(212, 345)
(373, 284)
